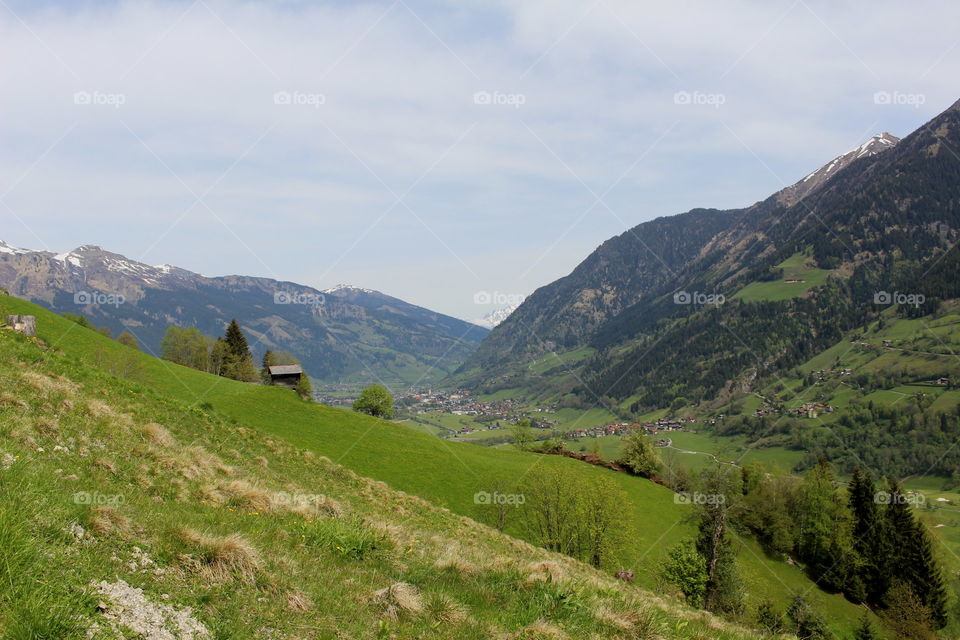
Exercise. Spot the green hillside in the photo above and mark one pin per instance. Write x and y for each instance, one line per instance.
(238, 423)
(797, 275)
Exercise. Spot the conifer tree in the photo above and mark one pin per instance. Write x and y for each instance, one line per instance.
(913, 560)
(870, 540)
(239, 364)
(236, 341)
(865, 630)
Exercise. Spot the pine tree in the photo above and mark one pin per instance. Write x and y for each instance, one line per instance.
(865, 630)
(236, 341)
(871, 543)
(239, 364)
(913, 559)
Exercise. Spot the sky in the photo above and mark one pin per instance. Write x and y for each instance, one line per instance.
(457, 155)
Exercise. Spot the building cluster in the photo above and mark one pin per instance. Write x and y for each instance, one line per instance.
(626, 428)
(460, 403)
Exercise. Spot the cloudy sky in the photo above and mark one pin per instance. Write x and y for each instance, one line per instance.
(433, 150)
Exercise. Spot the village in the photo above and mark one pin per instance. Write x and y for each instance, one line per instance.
(625, 428)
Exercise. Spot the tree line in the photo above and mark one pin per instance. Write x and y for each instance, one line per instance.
(863, 541)
(228, 356)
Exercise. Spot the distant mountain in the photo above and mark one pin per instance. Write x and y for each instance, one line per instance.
(344, 333)
(882, 217)
(495, 317)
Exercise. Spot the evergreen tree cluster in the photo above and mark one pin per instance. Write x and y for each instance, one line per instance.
(863, 541)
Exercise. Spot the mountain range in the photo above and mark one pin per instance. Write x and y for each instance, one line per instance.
(341, 334)
(700, 304)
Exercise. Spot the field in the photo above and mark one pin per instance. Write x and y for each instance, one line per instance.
(794, 268)
(697, 451)
(447, 474)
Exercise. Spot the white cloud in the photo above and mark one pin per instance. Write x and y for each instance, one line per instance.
(386, 93)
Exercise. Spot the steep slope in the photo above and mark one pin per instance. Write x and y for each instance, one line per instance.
(344, 333)
(448, 474)
(874, 219)
(885, 223)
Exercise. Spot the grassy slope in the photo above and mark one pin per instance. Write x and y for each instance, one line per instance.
(447, 474)
(793, 267)
(198, 524)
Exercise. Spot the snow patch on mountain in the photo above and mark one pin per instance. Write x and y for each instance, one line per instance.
(877, 144)
(347, 287)
(11, 250)
(495, 317)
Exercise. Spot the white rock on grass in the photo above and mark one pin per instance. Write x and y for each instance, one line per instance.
(127, 608)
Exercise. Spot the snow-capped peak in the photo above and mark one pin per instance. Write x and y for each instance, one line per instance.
(11, 250)
(347, 287)
(495, 317)
(877, 144)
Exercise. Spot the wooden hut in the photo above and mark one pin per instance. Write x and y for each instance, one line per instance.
(286, 375)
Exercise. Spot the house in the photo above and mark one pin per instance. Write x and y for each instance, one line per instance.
(286, 375)
(943, 381)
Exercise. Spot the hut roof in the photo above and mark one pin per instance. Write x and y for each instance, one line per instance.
(286, 370)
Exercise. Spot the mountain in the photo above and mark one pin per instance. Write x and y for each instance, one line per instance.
(495, 317)
(796, 192)
(344, 333)
(787, 275)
